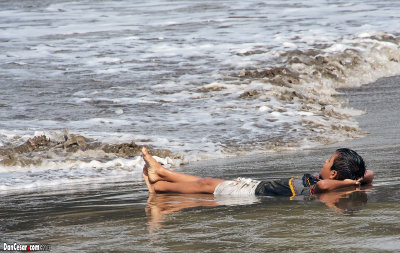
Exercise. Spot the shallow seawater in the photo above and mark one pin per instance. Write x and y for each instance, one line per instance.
(121, 216)
(207, 79)
(203, 79)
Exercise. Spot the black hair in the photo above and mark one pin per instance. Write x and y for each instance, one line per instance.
(348, 164)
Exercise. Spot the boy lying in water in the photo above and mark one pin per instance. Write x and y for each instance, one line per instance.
(344, 168)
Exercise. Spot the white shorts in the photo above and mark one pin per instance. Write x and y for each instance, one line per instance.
(239, 187)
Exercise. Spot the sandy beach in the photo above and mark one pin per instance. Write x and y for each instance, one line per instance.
(222, 89)
(121, 217)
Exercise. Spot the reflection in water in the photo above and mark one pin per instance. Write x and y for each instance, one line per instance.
(113, 219)
(346, 202)
(158, 206)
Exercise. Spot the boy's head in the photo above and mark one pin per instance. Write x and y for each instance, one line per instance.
(344, 164)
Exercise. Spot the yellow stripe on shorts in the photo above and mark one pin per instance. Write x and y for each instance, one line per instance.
(292, 188)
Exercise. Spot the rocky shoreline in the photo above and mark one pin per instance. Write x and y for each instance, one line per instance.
(39, 148)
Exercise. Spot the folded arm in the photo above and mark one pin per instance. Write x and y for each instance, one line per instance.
(332, 184)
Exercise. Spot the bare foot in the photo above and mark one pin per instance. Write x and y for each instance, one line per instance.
(152, 166)
(146, 179)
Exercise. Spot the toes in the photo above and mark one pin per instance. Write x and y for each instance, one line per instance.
(145, 152)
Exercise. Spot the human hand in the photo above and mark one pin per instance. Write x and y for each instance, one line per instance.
(354, 182)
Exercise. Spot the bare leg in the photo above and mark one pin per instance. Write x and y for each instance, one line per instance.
(203, 185)
(156, 172)
(160, 179)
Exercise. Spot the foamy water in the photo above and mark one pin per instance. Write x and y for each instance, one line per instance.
(204, 79)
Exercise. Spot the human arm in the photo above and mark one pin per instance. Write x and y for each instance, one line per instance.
(326, 185)
(332, 184)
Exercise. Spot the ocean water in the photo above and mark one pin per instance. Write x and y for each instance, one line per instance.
(204, 79)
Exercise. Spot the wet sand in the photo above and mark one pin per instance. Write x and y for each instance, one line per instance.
(121, 217)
